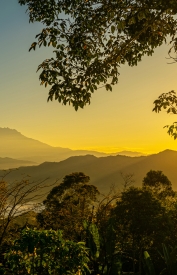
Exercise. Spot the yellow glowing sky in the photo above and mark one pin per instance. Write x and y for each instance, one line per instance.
(121, 120)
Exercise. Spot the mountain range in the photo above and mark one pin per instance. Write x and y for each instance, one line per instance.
(103, 171)
(16, 146)
(41, 161)
(10, 163)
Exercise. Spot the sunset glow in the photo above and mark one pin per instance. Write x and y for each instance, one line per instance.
(114, 121)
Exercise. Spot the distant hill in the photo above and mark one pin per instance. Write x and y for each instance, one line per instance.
(9, 163)
(15, 145)
(129, 154)
(104, 171)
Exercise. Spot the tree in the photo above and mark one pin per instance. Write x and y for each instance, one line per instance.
(100, 236)
(92, 39)
(74, 208)
(128, 180)
(46, 252)
(109, 261)
(141, 223)
(3, 196)
(68, 205)
(168, 102)
(169, 256)
(16, 198)
(157, 183)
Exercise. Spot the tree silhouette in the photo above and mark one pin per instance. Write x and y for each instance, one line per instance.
(68, 205)
(92, 39)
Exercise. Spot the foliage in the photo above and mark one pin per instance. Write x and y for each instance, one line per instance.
(16, 198)
(92, 39)
(170, 257)
(128, 180)
(109, 261)
(158, 184)
(148, 265)
(46, 252)
(140, 223)
(93, 238)
(104, 259)
(3, 197)
(117, 230)
(93, 242)
(168, 102)
(172, 214)
(68, 205)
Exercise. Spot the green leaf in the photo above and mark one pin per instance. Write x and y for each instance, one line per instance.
(112, 29)
(148, 264)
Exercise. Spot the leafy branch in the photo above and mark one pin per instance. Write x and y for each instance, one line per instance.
(168, 102)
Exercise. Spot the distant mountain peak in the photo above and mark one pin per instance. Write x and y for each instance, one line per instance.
(15, 145)
(130, 153)
(167, 152)
(9, 131)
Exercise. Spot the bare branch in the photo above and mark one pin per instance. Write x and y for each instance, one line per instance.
(18, 197)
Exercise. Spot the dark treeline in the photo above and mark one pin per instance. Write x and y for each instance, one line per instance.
(78, 230)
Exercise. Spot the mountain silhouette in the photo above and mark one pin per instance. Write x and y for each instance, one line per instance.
(15, 145)
(9, 163)
(103, 171)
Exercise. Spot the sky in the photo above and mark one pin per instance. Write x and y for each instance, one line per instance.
(114, 121)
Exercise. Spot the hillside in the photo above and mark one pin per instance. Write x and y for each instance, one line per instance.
(129, 154)
(103, 171)
(15, 145)
(9, 163)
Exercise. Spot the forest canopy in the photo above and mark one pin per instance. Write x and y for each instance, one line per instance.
(81, 231)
